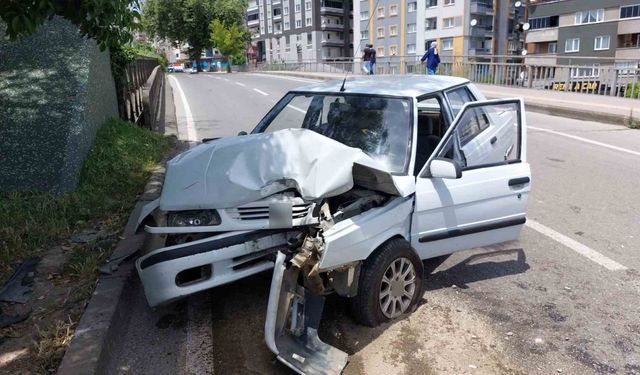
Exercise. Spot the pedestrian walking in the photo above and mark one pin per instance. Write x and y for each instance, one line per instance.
(433, 58)
(369, 59)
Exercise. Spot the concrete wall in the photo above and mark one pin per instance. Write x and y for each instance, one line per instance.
(56, 90)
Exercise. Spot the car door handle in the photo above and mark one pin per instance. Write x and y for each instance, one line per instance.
(519, 181)
(493, 140)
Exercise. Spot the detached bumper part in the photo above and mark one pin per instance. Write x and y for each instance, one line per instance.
(291, 327)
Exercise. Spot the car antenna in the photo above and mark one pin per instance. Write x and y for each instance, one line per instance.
(342, 88)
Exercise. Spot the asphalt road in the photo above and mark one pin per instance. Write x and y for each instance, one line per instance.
(565, 298)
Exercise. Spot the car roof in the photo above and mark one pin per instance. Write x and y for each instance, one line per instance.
(391, 85)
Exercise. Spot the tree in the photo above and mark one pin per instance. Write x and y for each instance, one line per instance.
(228, 39)
(181, 22)
(109, 22)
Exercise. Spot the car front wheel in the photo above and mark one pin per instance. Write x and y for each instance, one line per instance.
(390, 284)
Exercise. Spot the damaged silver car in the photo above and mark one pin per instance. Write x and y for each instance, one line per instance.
(343, 187)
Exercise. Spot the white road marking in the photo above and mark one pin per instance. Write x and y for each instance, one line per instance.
(198, 356)
(636, 153)
(576, 246)
(305, 80)
(261, 92)
(296, 108)
(192, 135)
(240, 84)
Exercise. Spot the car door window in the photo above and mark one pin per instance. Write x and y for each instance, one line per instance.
(458, 98)
(486, 135)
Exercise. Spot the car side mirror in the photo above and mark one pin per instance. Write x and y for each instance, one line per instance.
(445, 168)
(242, 132)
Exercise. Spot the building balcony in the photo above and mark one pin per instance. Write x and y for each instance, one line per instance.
(544, 60)
(628, 53)
(482, 31)
(332, 42)
(277, 17)
(332, 26)
(253, 22)
(629, 26)
(276, 2)
(542, 35)
(252, 6)
(480, 8)
(479, 51)
(331, 11)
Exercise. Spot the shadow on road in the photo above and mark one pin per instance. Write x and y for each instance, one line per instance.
(477, 267)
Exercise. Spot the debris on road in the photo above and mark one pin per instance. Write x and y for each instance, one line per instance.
(19, 286)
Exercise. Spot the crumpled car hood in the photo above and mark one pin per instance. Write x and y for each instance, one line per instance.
(233, 171)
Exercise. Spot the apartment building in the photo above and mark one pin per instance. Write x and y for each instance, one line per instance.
(474, 29)
(584, 32)
(297, 30)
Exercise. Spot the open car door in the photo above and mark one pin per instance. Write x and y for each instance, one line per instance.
(473, 190)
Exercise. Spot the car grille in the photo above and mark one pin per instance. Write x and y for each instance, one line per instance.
(262, 212)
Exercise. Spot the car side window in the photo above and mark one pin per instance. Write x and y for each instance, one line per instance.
(476, 123)
(486, 135)
(459, 97)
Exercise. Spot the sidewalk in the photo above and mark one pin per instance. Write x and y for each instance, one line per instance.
(585, 107)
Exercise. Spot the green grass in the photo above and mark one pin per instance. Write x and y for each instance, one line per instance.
(114, 173)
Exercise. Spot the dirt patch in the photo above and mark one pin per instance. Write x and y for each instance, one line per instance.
(441, 337)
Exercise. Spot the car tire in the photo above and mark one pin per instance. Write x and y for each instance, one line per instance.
(381, 284)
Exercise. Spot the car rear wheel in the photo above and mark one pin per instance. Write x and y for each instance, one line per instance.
(390, 284)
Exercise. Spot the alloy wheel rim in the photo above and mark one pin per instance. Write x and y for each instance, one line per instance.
(397, 288)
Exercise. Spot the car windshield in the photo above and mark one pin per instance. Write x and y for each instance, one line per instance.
(379, 126)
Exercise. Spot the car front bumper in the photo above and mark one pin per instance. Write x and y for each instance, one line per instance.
(176, 271)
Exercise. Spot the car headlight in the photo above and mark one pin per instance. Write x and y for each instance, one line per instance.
(194, 218)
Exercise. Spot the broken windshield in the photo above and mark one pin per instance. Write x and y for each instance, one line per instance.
(379, 126)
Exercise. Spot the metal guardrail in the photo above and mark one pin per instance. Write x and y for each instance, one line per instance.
(589, 78)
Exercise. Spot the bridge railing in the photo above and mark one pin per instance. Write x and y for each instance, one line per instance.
(602, 77)
(134, 86)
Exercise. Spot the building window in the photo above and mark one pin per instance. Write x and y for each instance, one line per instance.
(585, 72)
(307, 5)
(393, 30)
(380, 32)
(411, 48)
(277, 12)
(449, 2)
(393, 50)
(364, 16)
(297, 8)
(629, 40)
(601, 42)
(393, 10)
(286, 11)
(553, 47)
(630, 11)
(411, 28)
(380, 12)
(447, 44)
(364, 34)
(572, 45)
(286, 25)
(412, 6)
(308, 23)
(298, 23)
(432, 3)
(544, 22)
(380, 51)
(309, 39)
(430, 24)
(589, 16)
(447, 22)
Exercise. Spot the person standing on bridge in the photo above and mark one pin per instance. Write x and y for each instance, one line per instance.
(432, 57)
(369, 58)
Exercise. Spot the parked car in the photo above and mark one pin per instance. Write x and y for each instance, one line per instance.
(343, 187)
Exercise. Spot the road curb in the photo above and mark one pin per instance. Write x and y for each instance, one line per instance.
(106, 314)
(530, 105)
